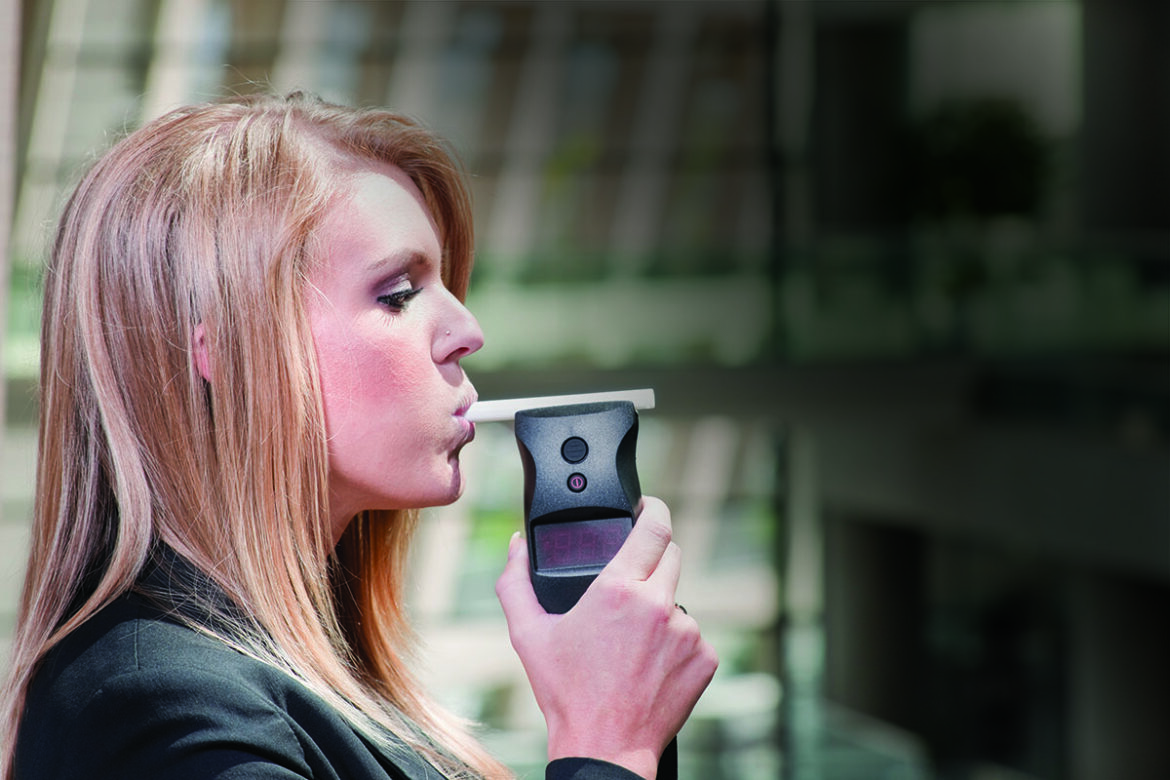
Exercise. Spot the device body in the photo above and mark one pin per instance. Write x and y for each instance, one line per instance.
(581, 493)
(581, 496)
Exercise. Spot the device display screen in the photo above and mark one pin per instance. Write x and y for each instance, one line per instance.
(579, 543)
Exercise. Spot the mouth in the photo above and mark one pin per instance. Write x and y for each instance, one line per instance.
(461, 412)
(466, 402)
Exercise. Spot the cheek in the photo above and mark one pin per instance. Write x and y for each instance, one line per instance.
(366, 384)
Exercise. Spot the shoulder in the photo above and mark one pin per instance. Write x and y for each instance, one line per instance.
(131, 648)
(129, 637)
(132, 693)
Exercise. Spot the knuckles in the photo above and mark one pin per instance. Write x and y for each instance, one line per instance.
(655, 521)
(615, 595)
(660, 532)
(708, 658)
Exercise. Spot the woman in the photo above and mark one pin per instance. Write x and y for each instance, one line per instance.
(251, 380)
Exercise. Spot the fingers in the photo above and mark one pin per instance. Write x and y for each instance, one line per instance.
(514, 590)
(648, 556)
(666, 574)
(643, 550)
(618, 674)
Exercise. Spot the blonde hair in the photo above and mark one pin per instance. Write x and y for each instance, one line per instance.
(204, 218)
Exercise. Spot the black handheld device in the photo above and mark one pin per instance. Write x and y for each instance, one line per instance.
(581, 493)
(581, 496)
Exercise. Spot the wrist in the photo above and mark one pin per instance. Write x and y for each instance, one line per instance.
(642, 761)
(587, 769)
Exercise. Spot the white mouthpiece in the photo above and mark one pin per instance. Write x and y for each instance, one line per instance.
(505, 410)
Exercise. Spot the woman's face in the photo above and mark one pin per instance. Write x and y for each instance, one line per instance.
(389, 337)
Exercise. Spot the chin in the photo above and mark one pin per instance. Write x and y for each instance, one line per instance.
(456, 489)
(449, 493)
(456, 483)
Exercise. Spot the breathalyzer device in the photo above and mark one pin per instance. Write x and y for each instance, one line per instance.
(581, 490)
(581, 493)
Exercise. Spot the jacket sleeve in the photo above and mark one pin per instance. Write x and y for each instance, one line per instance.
(587, 769)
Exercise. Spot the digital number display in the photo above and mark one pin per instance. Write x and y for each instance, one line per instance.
(579, 543)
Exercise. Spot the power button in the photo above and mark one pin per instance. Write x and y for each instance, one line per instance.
(577, 482)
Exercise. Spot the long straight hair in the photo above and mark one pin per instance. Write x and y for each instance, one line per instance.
(204, 221)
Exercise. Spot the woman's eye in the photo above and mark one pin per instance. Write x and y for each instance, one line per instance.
(398, 299)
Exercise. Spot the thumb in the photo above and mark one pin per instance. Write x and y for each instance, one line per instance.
(514, 589)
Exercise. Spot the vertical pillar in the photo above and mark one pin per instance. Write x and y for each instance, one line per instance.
(643, 192)
(801, 560)
(515, 208)
(858, 121)
(173, 69)
(53, 88)
(9, 68)
(873, 618)
(1119, 679)
(414, 82)
(804, 566)
(1125, 133)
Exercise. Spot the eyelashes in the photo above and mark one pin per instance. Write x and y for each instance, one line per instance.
(397, 300)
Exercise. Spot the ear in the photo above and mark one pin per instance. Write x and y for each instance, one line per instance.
(200, 353)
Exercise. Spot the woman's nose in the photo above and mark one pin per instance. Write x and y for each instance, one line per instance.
(459, 334)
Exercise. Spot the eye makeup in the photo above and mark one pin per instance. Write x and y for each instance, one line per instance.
(398, 299)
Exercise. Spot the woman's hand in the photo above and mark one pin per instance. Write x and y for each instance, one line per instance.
(618, 674)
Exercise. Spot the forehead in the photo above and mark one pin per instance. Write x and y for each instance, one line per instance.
(378, 211)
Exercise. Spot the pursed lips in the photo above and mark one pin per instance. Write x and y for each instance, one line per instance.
(468, 426)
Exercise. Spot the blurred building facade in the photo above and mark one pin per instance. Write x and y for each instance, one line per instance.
(899, 271)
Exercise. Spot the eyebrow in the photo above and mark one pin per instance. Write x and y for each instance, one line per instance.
(397, 262)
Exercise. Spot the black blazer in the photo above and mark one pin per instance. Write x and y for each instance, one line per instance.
(136, 694)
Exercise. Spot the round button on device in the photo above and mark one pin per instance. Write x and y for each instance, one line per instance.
(577, 482)
(574, 449)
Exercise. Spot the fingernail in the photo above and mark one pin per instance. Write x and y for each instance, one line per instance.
(513, 545)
